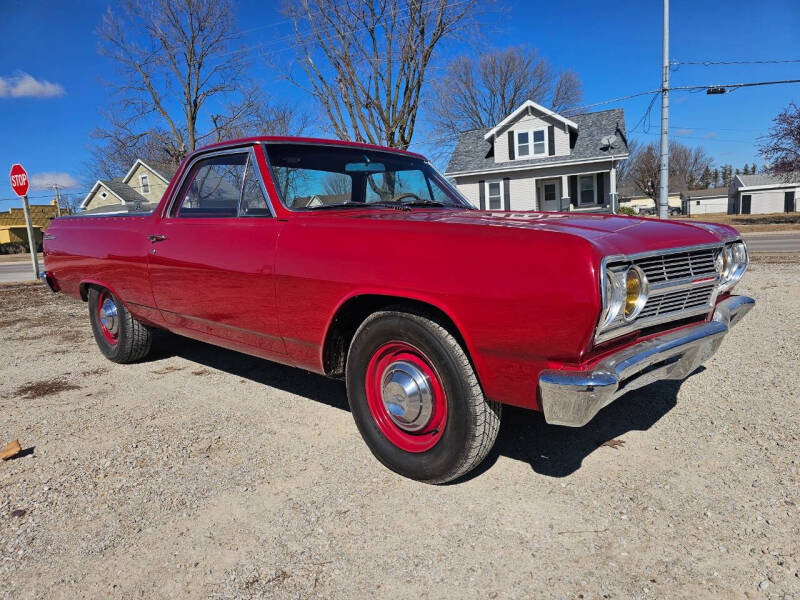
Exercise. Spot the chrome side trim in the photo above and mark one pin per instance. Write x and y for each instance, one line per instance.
(573, 398)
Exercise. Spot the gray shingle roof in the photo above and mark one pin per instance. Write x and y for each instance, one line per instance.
(766, 179)
(124, 191)
(473, 153)
(705, 193)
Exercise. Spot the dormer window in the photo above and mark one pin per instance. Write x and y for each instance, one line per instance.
(531, 143)
(144, 180)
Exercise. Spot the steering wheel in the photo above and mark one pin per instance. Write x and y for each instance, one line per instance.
(400, 197)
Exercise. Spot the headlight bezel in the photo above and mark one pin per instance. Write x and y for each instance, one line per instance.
(735, 260)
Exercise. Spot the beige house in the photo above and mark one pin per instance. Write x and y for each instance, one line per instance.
(142, 185)
(537, 159)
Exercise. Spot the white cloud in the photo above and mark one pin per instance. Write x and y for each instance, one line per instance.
(710, 135)
(684, 132)
(23, 85)
(44, 181)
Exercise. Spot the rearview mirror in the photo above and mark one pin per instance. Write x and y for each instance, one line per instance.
(365, 167)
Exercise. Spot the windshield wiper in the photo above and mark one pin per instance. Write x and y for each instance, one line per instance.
(389, 205)
(424, 203)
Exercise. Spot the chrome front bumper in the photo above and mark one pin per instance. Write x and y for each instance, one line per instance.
(573, 398)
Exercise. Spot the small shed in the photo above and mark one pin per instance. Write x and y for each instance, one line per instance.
(705, 202)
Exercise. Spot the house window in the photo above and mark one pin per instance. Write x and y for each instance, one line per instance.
(103, 195)
(697, 202)
(539, 144)
(587, 190)
(493, 195)
(144, 184)
(526, 139)
(523, 144)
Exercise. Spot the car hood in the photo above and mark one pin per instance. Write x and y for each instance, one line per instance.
(611, 234)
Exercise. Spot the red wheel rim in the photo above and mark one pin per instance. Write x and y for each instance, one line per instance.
(406, 397)
(108, 317)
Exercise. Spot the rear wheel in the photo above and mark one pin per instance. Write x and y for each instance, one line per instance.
(120, 337)
(416, 400)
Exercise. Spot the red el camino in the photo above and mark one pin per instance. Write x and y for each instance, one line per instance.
(364, 263)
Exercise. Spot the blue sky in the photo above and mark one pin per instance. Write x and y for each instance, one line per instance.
(615, 47)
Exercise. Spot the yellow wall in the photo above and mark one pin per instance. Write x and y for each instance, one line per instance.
(97, 200)
(18, 235)
(157, 185)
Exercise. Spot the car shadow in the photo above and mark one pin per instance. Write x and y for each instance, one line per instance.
(300, 382)
(551, 450)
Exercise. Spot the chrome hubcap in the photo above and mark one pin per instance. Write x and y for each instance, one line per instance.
(109, 316)
(407, 395)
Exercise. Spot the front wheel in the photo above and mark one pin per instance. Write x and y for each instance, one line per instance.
(416, 399)
(120, 337)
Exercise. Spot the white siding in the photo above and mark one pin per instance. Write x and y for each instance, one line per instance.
(530, 123)
(523, 182)
(767, 201)
(471, 192)
(707, 206)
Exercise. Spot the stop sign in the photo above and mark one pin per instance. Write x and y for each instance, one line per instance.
(19, 180)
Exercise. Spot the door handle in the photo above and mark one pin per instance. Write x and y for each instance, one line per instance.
(156, 237)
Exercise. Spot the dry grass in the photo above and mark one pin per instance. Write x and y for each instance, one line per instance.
(752, 223)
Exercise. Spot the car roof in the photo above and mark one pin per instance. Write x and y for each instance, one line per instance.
(304, 140)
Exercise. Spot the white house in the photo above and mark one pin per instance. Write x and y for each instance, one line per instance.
(705, 202)
(536, 159)
(762, 193)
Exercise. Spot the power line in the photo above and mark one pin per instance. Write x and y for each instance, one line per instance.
(733, 86)
(620, 99)
(709, 63)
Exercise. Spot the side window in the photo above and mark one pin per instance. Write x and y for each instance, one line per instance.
(213, 188)
(145, 184)
(254, 204)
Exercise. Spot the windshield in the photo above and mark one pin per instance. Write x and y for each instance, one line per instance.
(313, 177)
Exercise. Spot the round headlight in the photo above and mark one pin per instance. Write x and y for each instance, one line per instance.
(636, 290)
(727, 263)
(614, 298)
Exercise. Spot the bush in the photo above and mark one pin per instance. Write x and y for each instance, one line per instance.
(626, 210)
(13, 248)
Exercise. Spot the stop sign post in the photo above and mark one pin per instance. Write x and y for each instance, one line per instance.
(19, 183)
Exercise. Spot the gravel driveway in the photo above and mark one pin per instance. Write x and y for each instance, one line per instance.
(206, 473)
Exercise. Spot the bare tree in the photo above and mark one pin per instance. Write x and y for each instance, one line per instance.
(365, 61)
(180, 82)
(686, 168)
(624, 167)
(479, 92)
(781, 147)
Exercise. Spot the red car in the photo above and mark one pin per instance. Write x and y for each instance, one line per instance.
(364, 263)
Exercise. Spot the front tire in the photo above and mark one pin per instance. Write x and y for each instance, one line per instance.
(120, 337)
(416, 399)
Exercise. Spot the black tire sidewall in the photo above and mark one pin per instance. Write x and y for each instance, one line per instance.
(450, 451)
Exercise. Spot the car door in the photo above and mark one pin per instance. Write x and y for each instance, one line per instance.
(212, 256)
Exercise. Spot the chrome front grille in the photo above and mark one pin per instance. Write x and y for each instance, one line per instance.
(679, 301)
(682, 284)
(680, 265)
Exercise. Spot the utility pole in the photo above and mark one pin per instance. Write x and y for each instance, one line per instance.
(663, 193)
(31, 238)
(58, 199)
